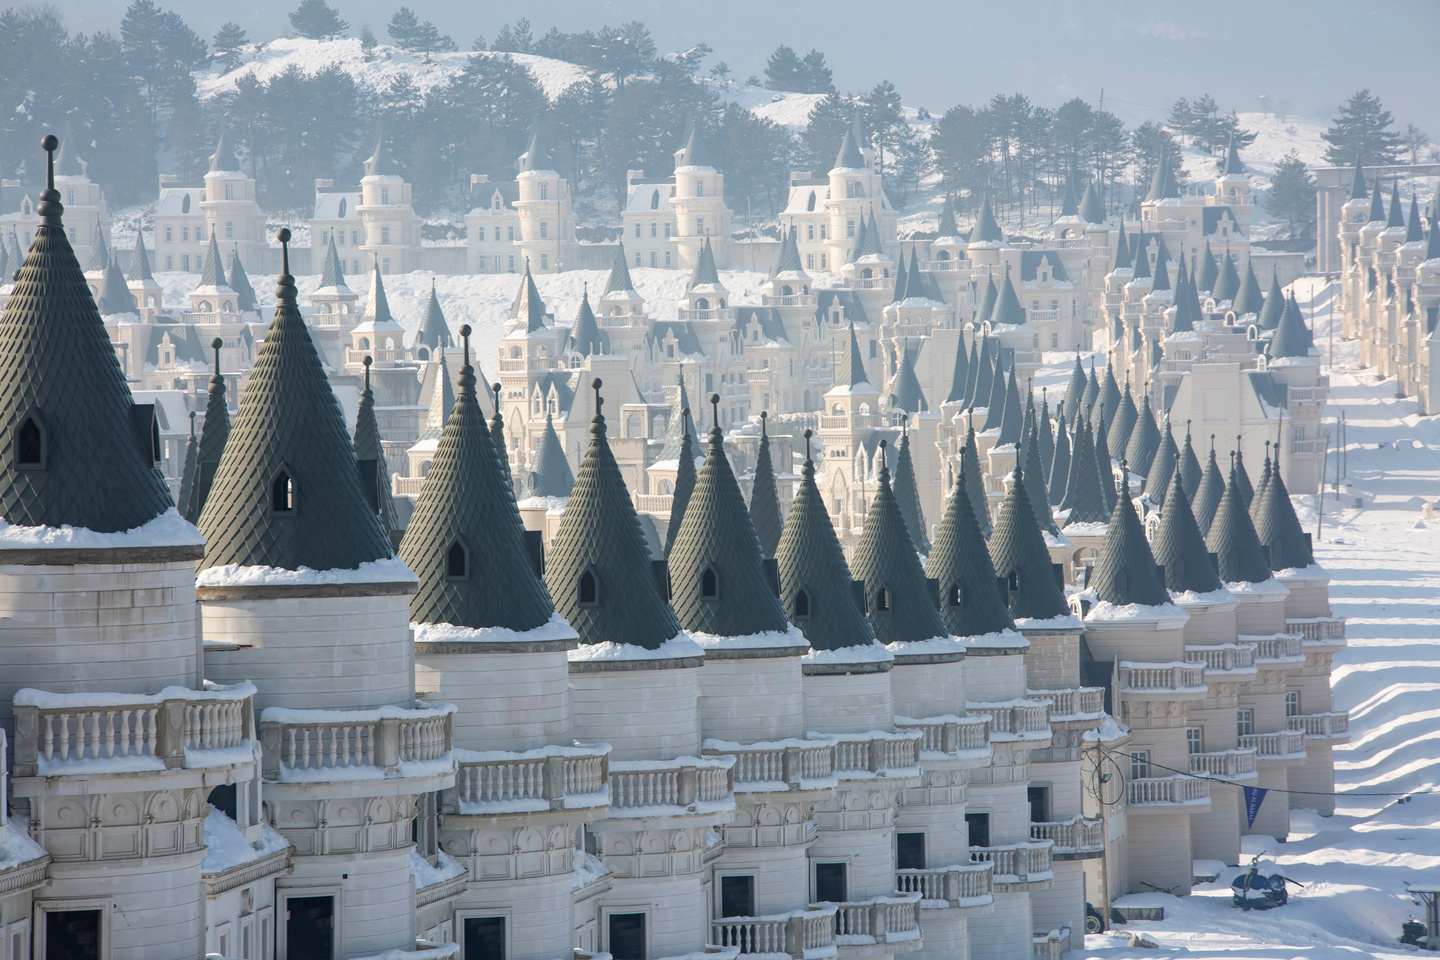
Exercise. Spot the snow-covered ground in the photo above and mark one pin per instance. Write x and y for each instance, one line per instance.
(1385, 561)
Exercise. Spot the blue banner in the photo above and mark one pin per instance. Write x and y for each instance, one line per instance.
(1254, 796)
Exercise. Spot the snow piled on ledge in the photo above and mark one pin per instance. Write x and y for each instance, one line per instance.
(676, 648)
(556, 628)
(227, 848)
(791, 637)
(389, 570)
(1106, 612)
(169, 529)
(945, 644)
(873, 652)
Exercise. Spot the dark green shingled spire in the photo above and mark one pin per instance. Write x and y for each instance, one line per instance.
(1232, 538)
(984, 373)
(139, 261)
(1357, 180)
(212, 272)
(586, 337)
(907, 495)
(995, 404)
(100, 252)
(764, 499)
(1091, 396)
(465, 540)
(1286, 545)
(959, 561)
(858, 249)
(434, 331)
(988, 300)
(948, 227)
(1157, 479)
(815, 583)
(1274, 305)
(287, 493)
(1035, 480)
(527, 306)
(1377, 205)
(684, 482)
(1228, 286)
(1123, 422)
(1162, 270)
(1125, 570)
(705, 272)
(1060, 462)
(599, 571)
(853, 373)
(1017, 549)
(1414, 229)
(960, 373)
(1012, 418)
(974, 482)
(901, 605)
(187, 474)
(1047, 432)
(1091, 209)
(900, 282)
(1141, 256)
(986, 230)
(1233, 165)
(1396, 218)
(1107, 399)
(1104, 467)
(1292, 338)
(1247, 492)
(789, 259)
(1179, 547)
(1187, 303)
(115, 296)
(1209, 271)
(1123, 258)
(551, 476)
(246, 301)
(78, 449)
(497, 439)
(538, 154)
(907, 395)
(694, 153)
(1069, 206)
(1075, 391)
(1163, 185)
(223, 160)
(1144, 440)
(849, 156)
(1260, 487)
(370, 456)
(1207, 495)
(213, 434)
(719, 584)
(1189, 464)
(1008, 311)
(1083, 496)
(333, 273)
(619, 281)
(972, 374)
(679, 425)
(1249, 299)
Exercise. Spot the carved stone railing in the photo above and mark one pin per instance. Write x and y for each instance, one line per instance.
(1321, 630)
(1160, 678)
(778, 766)
(1230, 764)
(1278, 648)
(948, 736)
(1076, 835)
(1157, 791)
(405, 486)
(1281, 745)
(548, 778)
(324, 745)
(1223, 658)
(1322, 726)
(1078, 703)
(60, 733)
(894, 919)
(959, 885)
(380, 355)
(1015, 719)
(799, 933)
(877, 755)
(654, 502)
(1027, 862)
(684, 785)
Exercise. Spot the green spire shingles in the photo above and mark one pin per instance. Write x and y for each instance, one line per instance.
(1227, 285)
(100, 252)
(986, 229)
(1017, 549)
(1107, 399)
(849, 156)
(434, 331)
(551, 475)
(1157, 478)
(975, 483)
(960, 374)
(907, 495)
(1060, 462)
(1249, 299)
(115, 296)
(213, 434)
(59, 374)
(245, 301)
(1233, 166)
(1233, 540)
(1104, 464)
(900, 282)
(1179, 547)
(1190, 472)
(1047, 434)
(1357, 180)
(370, 455)
(959, 561)
(815, 583)
(1075, 391)
(287, 493)
(947, 226)
(1124, 260)
(497, 436)
(527, 306)
(599, 570)
(1091, 209)
(1274, 305)
(995, 403)
(1144, 440)
(619, 281)
(987, 300)
(1123, 422)
(1292, 337)
(1239, 475)
(1069, 206)
(1083, 496)
(465, 540)
(853, 373)
(1012, 416)
(1125, 570)
(1278, 529)
(679, 425)
(1035, 480)
(705, 273)
(900, 602)
(764, 500)
(908, 395)
(972, 374)
(1207, 495)
(188, 474)
(139, 260)
(684, 481)
(586, 337)
(984, 375)
(333, 272)
(1090, 396)
(1396, 217)
(719, 584)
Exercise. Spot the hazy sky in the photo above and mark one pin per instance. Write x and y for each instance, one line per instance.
(1311, 54)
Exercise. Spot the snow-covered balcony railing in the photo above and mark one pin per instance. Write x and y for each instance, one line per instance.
(654, 502)
(378, 354)
(1334, 725)
(949, 736)
(546, 778)
(795, 300)
(1042, 316)
(1075, 839)
(1307, 394)
(1277, 648)
(799, 933)
(1318, 630)
(1177, 365)
(1151, 679)
(779, 766)
(405, 486)
(1078, 703)
(1026, 862)
(1223, 658)
(424, 950)
(1165, 791)
(713, 313)
(869, 283)
(332, 745)
(1280, 745)
(686, 785)
(959, 885)
(1230, 764)
(710, 952)
(883, 920)
(1311, 446)
(877, 755)
(841, 422)
(1051, 944)
(936, 266)
(1028, 358)
(1013, 720)
(177, 728)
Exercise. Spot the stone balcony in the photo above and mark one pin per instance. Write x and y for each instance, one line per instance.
(950, 738)
(860, 421)
(1224, 659)
(801, 934)
(659, 503)
(1078, 838)
(1051, 944)
(878, 755)
(1017, 864)
(1318, 633)
(1277, 747)
(1226, 764)
(65, 734)
(1333, 725)
(794, 300)
(1276, 649)
(964, 886)
(1179, 680)
(712, 313)
(877, 927)
(379, 355)
(1160, 794)
(1025, 722)
(781, 766)
(493, 782)
(405, 486)
(686, 786)
(1076, 704)
(341, 746)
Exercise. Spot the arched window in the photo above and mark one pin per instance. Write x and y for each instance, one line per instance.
(589, 589)
(802, 605)
(364, 343)
(882, 599)
(655, 200)
(425, 469)
(457, 563)
(709, 585)
(702, 304)
(867, 273)
(811, 204)
(423, 353)
(205, 307)
(29, 444)
(942, 255)
(282, 494)
(785, 291)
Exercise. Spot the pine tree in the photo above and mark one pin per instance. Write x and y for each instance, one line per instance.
(1363, 129)
(784, 70)
(367, 42)
(428, 39)
(829, 119)
(961, 146)
(515, 39)
(316, 20)
(1292, 195)
(227, 42)
(1181, 119)
(404, 26)
(815, 76)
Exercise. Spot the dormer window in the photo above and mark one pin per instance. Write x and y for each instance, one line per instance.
(802, 605)
(709, 585)
(282, 494)
(589, 589)
(655, 200)
(882, 599)
(30, 444)
(810, 206)
(457, 562)
(956, 597)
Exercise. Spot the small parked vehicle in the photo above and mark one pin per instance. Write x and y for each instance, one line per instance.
(1254, 890)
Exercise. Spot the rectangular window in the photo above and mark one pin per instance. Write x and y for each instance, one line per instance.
(384, 194)
(637, 231)
(497, 263)
(544, 261)
(185, 234)
(70, 197)
(699, 226)
(1039, 799)
(654, 258)
(544, 191)
(1244, 722)
(910, 851)
(667, 258)
(667, 231)
(809, 231)
(484, 938)
(340, 237)
(355, 266)
(737, 896)
(355, 237)
(1292, 703)
(384, 234)
(169, 236)
(324, 237)
(1054, 304)
(849, 228)
(544, 230)
(385, 265)
(873, 353)
(978, 825)
(229, 230)
(824, 229)
(1034, 304)
(1195, 739)
(637, 258)
(809, 261)
(627, 936)
(169, 262)
(310, 928)
(229, 191)
(830, 883)
(185, 261)
(482, 264)
(1140, 765)
(654, 229)
(709, 383)
(512, 263)
(510, 234)
(823, 259)
(1054, 341)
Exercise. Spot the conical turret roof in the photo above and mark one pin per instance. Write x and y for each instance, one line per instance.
(1017, 549)
(907, 395)
(550, 474)
(1209, 273)
(213, 435)
(1232, 538)
(1292, 338)
(370, 450)
(972, 374)
(441, 401)
(900, 282)
(960, 374)
(1047, 434)
(67, 162)
(1278, 529)
(1035, 479)
(586, 337)
(857, 250)
(434, 331)
(1396, 218)
(1123, 257)
(1069, 206)
(1189, 464)
(377, 304)
(115, 296)
(1083, 496)
(995, 403)
(1157, 478)
(77, 452)
(1179, 547)
(1247, 492)
(1161, 280)
(907, 496)
(528, 306)
(223, 160)
(1233, 166)
(287, 493)
(815, 583)
(1107, 399)
(1414, 229)
(1060, 463)
(1091, 395)
(788, 261)
(333, 273)
(1228, 286)
(852, 373)
(1207, 495)
(1274, 305)
(986, 230)
(537, 155)
(1075, 391)
(1091, 209)
(1377, 205)
(975, 483)
(679, 425)
(948, 227)
(1357, 180)
(705, 273)
(1125, 571)
(694, 153)
(1123, 422)
(849, 156)
(901, 605)
(599, 571)
(988, 300)
(971, 604)
(1163, 185)
(188, 475)
(1260, 487)
(764, 499)
(1008, 311)
(685, 477)
(139, 261)
(1104, 465)
(212, 272)
(1144, 440)
(1249, 299)
(246, 301)
(1013, 416)
(1140, 254)
(619, 281)
(1432, 241)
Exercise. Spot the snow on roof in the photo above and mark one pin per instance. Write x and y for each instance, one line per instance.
(167, 530)
(389, 570)
(556, 628)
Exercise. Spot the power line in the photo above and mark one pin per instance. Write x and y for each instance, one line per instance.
(1311, 793)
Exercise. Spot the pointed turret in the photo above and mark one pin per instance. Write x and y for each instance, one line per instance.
(705, 273)
(849, 156)
(1157, 478)
(1091, 209)
(619, 281)
(139, 261)
(694, 153)
(550, 474)
(497, 439)
(1144, 440)
(1046, 433)
(1260, 487)
(948, 227)
(1163, 185)
(1021, 559)
(537, 155)
(815, 583)
(679, 425)
(1239, 475)
(995, 403)
(788, 262)
(527, 306)
(1123, 422)
(1286, 545)
(986, 230)
(907, 395)
(1209, 273)
(1125, 572)
(1357, 180)
(1083, 496)
(1249, 298)
(223, 160)
(1060, 463)
(1123, 258)
(586, 337)
(599, 569)
(1233, 167)
(1108, 397)
(1091, 396)
(440, 402)
(852, 373)
(1377, 205)
(434, 332)
(960, 373)
(1187, 302)
(1207, 495)
(1396, 217)
(1008, 311)
(67, 163)
(685, 476)
(974, 482)
(1141, 256)
(1179, 547)
(988, 300)
(1274, 305)
(1013, 416)
(764, 499)
(1069, 206)
(1232, 539)
(81, 452)
(1075, 391)
(1432, 244)
(245, 299)
(1414, 229)
(907, 495)
(370, 458)
(971, 604)
(901, 279)
(1227, 287)
(115, 296)
(1292, 337)
(1104, 464)
(972, 375)
(1035, 480)
(188, 475)
(1161, 280)
(1189, 464)
(857, 250)
(287, 493)
(213, 435)
(100, 252)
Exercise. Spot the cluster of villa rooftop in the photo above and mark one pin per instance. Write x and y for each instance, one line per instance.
(584, 678)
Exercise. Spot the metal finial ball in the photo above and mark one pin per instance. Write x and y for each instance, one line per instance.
(883, 444)
(216, 344)
(764, 414)
(808, 434)
(284, 235)
(50, 143)
(685, 412)
(596, 384)
(368, 360)
(714, 398)
(465, 330)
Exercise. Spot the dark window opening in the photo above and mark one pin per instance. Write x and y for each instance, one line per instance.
(910, 851)
(829, 883)
(979, 826)
(627, 936)
(29, 443)
(1039, 798)
(708, 585)
(223, 798)
(282, 494)
(1014, 580)
(957, 596)
(802, 604)
(72, 935)
(484, 938)
(456, 563)
(737, 897)
(882, 599)
(310, 928)
(588, 588)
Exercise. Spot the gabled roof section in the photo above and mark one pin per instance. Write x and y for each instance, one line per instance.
(223, 160)
(1232, 538)
(1189, 464)
(434, 332)
(139, 261)
(812, 564)
(705, 272)
(370, 450)
(907, 495)
(907, 396)
(1083, 496)
(1017, 549)
(1030, 261)
(1144, 440)
(685, 477)
(115, 296)
(971, 604)
(1179, 547)
(849, 156)
(527, 306)
(85, 464)
(1207, 495)
(619, 281)
(901, 605)
(764, 499)
(551, 475)
(1278, 529)
(333, 273)
(287, 493)
(586, 337)
(960, 373)
(986, 230)
(1091, 209)
(1125, 571)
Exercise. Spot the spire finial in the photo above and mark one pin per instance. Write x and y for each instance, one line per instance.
(50, 207)
(465, 340)
(596, 384)
(367, 361)
(763, 417)
(714, 412)
(50, 144)
(1187, 428)
(495, 389)
(192, 424)
(284, 237)
(1124, 479)
(1212, 443)
(808, 435)
(215, 345)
